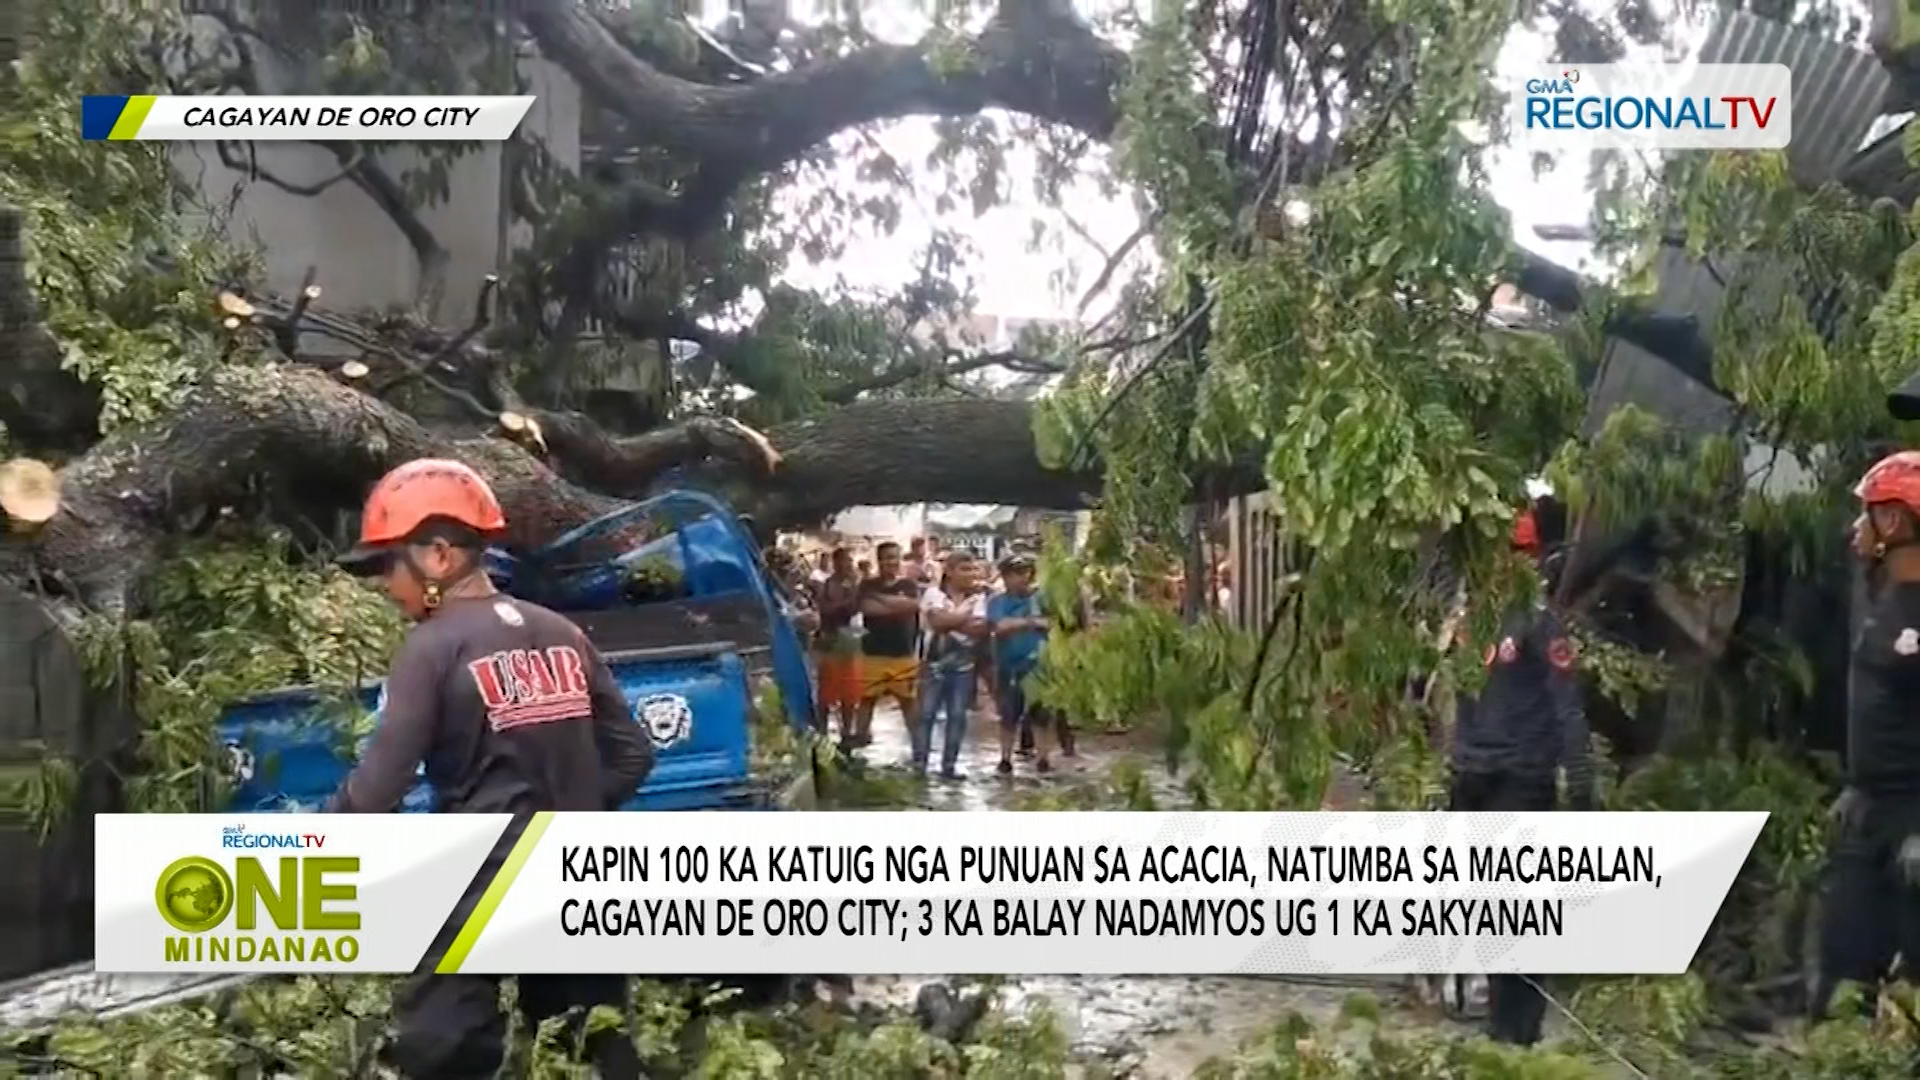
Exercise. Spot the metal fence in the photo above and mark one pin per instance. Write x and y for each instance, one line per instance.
(1256, 551)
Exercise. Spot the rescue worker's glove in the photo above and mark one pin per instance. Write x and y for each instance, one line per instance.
(1908, 861)
(1848, 809)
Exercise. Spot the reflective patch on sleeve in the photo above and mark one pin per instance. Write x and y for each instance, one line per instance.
(1908, 642)
(1560, 653)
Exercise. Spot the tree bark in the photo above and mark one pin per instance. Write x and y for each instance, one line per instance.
(882, 453)
(294, 429)
(242, 430)
(1034, 57)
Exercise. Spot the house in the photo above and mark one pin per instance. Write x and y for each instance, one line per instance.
(360, 257)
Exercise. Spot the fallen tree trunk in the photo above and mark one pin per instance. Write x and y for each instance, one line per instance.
(882, 453)
(244, 429)
(295, 430)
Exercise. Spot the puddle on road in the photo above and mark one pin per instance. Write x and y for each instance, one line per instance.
(1141, 1026)
(979, 787)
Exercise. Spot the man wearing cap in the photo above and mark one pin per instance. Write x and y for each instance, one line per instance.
(513, 711)
(1019, 630)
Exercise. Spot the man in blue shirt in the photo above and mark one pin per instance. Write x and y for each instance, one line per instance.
(1019, 630)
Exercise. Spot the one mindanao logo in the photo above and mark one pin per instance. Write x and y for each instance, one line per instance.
(668, 719)
(299, 910)
(1666, 106)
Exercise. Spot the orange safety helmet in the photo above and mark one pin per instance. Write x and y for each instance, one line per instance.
(1526, 533)
(421, 491)
(1893, 479)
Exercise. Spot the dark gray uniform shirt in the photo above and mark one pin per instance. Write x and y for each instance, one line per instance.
(1528, 718)
(1883, 692)
(513, 711)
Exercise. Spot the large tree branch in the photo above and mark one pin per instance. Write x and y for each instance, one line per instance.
(832, 470)
(296, 431)
(878, 453)
(1031, 59)
(242, 429)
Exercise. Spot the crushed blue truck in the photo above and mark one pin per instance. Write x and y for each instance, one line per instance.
(693, 697)
(684, 617)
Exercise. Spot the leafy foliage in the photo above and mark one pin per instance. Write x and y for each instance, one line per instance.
(1643, 1027)
(1351, 362)
(1346, 360)
(313, 1027)
(1347, 356)
(123, 260)
(232, 618)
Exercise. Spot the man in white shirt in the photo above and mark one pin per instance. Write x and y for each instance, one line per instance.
(953, 615)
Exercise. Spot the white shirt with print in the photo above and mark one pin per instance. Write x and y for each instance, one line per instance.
(957, 649)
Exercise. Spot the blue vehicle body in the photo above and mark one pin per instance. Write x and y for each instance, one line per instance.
(287, 754)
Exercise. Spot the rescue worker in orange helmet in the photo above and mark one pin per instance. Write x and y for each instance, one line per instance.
(1526, 723)
(513, 711)
(1872, 907)
(1526, 533)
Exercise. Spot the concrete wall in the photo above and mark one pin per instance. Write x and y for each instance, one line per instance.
(361, 258)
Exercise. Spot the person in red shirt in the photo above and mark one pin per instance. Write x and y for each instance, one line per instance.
(513, 711)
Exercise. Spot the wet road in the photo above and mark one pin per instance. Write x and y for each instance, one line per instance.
(1143, 1027)
(979, 786)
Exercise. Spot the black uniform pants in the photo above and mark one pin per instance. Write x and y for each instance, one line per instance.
(450, 1027)
(1516, 1008)
(1869, 914)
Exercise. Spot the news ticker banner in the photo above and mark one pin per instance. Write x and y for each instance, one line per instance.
(989, 892)
(242, 118)
(1647, 106)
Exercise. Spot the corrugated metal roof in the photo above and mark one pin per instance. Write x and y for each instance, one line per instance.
(1838, 90)
(1838, 93)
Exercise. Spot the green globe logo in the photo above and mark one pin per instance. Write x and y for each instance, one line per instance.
(194, 894)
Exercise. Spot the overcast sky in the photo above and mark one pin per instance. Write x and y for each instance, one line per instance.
(1012, 280)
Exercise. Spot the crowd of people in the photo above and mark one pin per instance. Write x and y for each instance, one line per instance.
(942, 636)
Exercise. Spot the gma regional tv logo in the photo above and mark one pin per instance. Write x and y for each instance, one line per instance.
(262, 908)
(1654, 107)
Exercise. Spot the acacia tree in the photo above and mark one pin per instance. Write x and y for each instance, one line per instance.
(1294, 345)
(1338, 365)
(707, 139)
